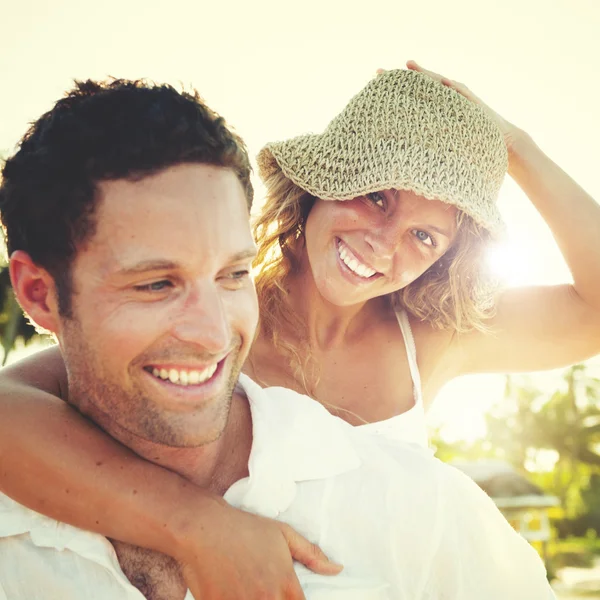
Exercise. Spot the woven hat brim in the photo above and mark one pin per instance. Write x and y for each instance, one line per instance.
(312, 163)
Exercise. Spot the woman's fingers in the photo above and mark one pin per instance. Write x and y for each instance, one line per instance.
(310, 555)
(414, 66)
(461, 88)
(507, 129)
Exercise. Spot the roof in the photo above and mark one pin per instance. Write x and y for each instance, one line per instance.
(499, 479)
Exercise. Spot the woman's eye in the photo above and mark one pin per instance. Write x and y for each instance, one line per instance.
(155, 286)
(424, 237)
(377, 199)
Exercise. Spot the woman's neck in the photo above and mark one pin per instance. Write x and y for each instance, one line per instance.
(327, 325)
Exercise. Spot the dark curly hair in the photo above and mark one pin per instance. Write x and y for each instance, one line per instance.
(100, 131)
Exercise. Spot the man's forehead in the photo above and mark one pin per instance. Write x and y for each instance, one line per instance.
(196, 183)
(183, 192)
(195, 210)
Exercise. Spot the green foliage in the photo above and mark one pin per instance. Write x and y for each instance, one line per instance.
(463, 451)
(566, 422)
(574, 551)
(563, 425)
(14, 326)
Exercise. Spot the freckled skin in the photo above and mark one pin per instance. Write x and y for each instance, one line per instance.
(351, 327)
(383, 233)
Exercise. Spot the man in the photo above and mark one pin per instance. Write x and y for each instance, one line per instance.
(126, 215)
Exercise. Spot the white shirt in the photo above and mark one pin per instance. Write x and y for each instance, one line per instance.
(404, 525)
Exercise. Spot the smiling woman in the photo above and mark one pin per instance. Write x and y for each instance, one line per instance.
(388, 223)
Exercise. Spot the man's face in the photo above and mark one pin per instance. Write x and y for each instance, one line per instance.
(164, 310)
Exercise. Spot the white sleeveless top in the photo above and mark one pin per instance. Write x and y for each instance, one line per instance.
(410, 425)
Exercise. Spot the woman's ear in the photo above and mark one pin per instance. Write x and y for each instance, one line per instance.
(35, 290)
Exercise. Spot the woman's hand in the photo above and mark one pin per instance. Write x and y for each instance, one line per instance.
(246, 557)
(104, 487)
(511, 133)
(539, 327)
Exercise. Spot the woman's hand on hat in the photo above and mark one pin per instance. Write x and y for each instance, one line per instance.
(509, 131)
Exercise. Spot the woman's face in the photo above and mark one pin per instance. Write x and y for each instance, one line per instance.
(375, 244)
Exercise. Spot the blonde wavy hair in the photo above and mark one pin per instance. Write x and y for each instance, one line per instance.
(456, 292)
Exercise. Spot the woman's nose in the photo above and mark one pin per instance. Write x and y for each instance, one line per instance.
(385, 239)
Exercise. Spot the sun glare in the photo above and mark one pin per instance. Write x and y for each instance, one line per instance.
(508, 262)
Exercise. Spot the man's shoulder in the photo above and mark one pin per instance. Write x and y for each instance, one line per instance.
(47, 549)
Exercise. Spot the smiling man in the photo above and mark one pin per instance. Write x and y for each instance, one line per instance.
(126, 215)
(164, 310)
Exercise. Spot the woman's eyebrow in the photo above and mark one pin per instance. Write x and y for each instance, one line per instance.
(442, 230)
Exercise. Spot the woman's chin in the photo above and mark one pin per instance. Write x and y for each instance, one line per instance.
(342, 297)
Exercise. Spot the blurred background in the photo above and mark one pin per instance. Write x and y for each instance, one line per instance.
(277, 69)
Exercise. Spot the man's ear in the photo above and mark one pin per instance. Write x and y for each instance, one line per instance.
(35, 290)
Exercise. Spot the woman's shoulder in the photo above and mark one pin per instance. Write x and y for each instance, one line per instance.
(434, 356)
(428, 336)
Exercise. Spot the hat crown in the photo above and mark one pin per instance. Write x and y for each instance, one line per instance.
(403, 130)
(412, 107)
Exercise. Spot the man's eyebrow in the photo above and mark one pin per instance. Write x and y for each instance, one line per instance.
(167, 265)
(243, 255)
(147, 265)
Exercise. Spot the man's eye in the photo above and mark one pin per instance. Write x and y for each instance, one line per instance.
(155, 286)
(424, 237)
(239, 274)
(377, 199)
(235, 280)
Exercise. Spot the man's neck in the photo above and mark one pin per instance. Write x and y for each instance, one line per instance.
(215, 466)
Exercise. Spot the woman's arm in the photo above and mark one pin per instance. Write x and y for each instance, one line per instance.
(545, 327)
(58, 463)
(55, 461)
(541, 327)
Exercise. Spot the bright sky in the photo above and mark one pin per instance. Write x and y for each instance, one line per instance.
(276, 69)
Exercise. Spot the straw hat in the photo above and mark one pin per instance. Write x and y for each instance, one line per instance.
(405, 131)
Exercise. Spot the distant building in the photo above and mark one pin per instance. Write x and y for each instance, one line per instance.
(524, 504)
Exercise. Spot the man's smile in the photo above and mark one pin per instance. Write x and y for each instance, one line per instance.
(184, 376)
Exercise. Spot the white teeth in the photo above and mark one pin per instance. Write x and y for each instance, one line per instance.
(351, 262)
(183, 377)
(363, 271)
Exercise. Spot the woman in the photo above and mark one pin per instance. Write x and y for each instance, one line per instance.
(371, 255)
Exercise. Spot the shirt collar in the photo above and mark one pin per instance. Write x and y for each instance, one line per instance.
(294, 439)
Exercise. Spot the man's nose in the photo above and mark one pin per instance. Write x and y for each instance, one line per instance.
(203, 319)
